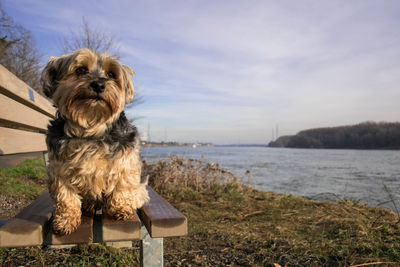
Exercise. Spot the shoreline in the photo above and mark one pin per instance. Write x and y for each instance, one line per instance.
(348, 174)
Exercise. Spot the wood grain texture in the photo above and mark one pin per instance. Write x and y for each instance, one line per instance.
(113, 230)
(27, 228)
(161, 219)
(16, 89)
(14, 141)
(16, 113)
(84, 233)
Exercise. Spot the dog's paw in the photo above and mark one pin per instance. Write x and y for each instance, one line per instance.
(121, 214)
(64, 226)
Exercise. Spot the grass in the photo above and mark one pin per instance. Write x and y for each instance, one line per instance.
(27, 179)
(81, 255)
(232, 224)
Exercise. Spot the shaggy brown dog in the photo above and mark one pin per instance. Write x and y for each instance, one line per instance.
(94, 153)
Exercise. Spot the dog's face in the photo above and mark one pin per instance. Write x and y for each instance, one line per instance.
(88, 88)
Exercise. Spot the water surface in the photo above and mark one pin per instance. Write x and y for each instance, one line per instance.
(322, 174)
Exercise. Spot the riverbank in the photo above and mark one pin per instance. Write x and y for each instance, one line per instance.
(229, 224)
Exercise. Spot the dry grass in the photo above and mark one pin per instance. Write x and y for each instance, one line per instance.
(170, 174)
(230, 223)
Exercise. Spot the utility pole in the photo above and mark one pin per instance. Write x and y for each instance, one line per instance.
(272, 134)
(148, 133)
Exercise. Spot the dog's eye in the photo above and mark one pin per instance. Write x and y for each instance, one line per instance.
(81, 70)
(111, 75)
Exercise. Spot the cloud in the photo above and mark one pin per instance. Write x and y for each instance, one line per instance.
(212, 68)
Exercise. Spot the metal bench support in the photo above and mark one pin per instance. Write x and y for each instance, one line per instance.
(46, 158)
(151, 250)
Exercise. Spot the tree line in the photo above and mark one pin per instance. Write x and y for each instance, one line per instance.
(367, 135)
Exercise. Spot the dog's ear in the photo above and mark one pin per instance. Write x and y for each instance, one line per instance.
(49, 77)
(52, 73)
(128, 85)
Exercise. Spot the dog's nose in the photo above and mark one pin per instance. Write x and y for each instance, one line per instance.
(98, 86)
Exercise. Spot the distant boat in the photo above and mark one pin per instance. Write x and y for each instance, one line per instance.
(194, 145)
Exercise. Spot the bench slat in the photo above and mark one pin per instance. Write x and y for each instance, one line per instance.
(26, 229)
(84, 234)
(161, 219)
(113, 230)
(16, 89)
(17, 114)
(14, 141)
(31, 227)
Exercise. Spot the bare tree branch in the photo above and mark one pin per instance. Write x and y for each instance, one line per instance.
(89, 37)
(18, 51)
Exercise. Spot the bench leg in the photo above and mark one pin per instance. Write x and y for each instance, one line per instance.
(46, 158)
(151, 250)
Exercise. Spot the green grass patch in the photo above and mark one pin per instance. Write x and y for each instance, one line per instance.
(26, 179)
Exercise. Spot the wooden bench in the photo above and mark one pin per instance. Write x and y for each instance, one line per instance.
(24, 116)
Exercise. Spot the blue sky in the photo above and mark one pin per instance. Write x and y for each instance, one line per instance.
(230, 71)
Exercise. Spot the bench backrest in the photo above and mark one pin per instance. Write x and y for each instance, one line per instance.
(24, 116)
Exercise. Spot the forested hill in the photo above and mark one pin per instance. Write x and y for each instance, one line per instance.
(367, 135)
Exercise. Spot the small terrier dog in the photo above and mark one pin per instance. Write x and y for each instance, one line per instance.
(94, 152)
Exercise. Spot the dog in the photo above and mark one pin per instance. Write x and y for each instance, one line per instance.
(94, 151)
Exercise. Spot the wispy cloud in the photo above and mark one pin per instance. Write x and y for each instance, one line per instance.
(212, 69)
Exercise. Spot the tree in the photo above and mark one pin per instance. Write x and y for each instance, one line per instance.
(18, 52)
(89, 37)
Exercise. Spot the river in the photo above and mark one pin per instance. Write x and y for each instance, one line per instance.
(369, 176)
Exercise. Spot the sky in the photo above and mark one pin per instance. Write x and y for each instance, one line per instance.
(240, 71)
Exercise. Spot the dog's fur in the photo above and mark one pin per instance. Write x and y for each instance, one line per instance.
(94, 153)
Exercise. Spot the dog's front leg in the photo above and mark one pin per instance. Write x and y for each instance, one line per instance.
(67, 212)
(125, 199)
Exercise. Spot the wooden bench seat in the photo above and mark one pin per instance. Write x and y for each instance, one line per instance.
(32, 226)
